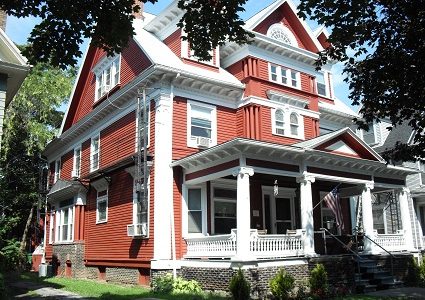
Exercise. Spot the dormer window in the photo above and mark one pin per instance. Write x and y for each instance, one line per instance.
(107, 75)
(282, 34)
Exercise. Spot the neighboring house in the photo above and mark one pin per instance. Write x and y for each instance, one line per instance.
(240, 150)
(13, 70)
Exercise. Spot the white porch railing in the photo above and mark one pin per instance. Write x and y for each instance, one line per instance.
(392, 242)
(261, 245)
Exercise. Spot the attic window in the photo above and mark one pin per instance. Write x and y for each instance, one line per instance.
(282, 34)
(107, 75)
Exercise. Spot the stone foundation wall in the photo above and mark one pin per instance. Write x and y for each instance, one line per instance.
(73, 254)
(122, 275)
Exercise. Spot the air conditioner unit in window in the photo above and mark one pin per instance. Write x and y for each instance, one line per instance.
(75, 174)
(137, 230)
(203, 142)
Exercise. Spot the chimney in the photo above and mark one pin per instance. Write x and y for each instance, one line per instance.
(138, 15)
(3, 18)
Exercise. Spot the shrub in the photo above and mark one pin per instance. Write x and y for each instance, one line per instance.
(319, 286)
(239, 286)
(282, 284)
(11, 257)
(168, 285)
(413, 277)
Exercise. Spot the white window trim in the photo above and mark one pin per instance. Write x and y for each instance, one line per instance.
(92, 169)
(185, 210)
(288, 76)
(101, 199)
(103, 65)
(58, 228)
(76, 171)
(58, 166)
(287, 124)
(191, 141)
(225, 185)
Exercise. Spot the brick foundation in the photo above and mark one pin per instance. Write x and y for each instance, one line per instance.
(68, 260)
(122, 275)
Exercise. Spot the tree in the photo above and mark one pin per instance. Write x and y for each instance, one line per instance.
(208, 23)
(31, 121)
(382, 46)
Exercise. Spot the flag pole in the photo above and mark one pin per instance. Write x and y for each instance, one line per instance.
(325, 196)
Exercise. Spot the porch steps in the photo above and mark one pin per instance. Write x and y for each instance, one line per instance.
(372, 277)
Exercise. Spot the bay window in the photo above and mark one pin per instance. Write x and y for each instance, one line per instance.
(64, 221)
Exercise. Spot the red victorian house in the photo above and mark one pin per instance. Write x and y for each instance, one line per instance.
(167, 163)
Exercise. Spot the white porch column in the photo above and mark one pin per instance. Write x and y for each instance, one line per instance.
(369, 247)
(163, 184)
(306, 202)
(403, 196)
(243, 213)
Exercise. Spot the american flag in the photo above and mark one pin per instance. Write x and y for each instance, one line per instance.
(332, 201)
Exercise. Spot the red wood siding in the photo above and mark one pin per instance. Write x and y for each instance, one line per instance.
(67, 162)
(51, 173)
(287, 17)
(174, 42)
(133, 62)
(226, 124)
(49, 247)
(85, 158)
(236, 70)
(118, 140)
(108, 241)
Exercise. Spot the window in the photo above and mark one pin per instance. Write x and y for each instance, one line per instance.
(293, 119)
(141, 204)
(224, 209)
(321, 85)
(102, 206)
(94, 153)
(57, 170)
(280, 122)
(108, 76)
(194, 211)
(77, 163)
(202, 125)
(281, 75)
(280, 125)
(282, 33)
(64, 221)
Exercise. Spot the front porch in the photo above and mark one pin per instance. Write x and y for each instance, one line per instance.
(254, 201)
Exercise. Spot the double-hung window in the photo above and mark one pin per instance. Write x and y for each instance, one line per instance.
(195, 210)
(287, 122)
(202, 125)
(102, 206)
(77, 163)
(321, 85)
(94, 153)
(284, 76)
(224, 209)
(107, 75)
(64, 221)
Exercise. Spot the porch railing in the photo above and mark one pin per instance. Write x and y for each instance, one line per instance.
(391, 242)
(261, 245)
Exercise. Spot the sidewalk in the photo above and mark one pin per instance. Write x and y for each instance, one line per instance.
(34, 291)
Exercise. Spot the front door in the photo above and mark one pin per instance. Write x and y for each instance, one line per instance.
(279, 210)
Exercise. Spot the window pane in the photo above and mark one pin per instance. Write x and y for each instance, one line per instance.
(294, 129)
(65, 217)
(202, 132)
(108, 77)
(195, 222)
(200, 112)
(224, 193)
(64, 232)
(224, 226)
(283, 74)
(283, 209)
(101, 207)
(117, 71)
(201, 123)
(321, 89)
(225, 209)
(279, 115)
(194, 199)
(294, 118)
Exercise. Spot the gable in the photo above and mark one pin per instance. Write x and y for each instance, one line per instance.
(286, 16)
(347, 145)
(133, 62)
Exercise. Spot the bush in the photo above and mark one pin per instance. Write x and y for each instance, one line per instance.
(282, 284)
(413, 277)
(239, 286)
(319, 286)
(11, 257)
(168, 285)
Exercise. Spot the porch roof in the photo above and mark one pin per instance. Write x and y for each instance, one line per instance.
(260, 149)
(64, 189)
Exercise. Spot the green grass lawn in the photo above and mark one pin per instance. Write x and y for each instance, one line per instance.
(101, 290)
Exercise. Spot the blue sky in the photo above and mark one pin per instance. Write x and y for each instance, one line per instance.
(19, 29)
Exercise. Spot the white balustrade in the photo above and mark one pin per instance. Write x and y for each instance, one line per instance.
(391, 242)
(261, 245)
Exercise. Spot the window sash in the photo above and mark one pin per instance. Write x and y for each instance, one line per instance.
(64, 224)
(77, 161)
(102, 209)
(108, 77)
(94, 156)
